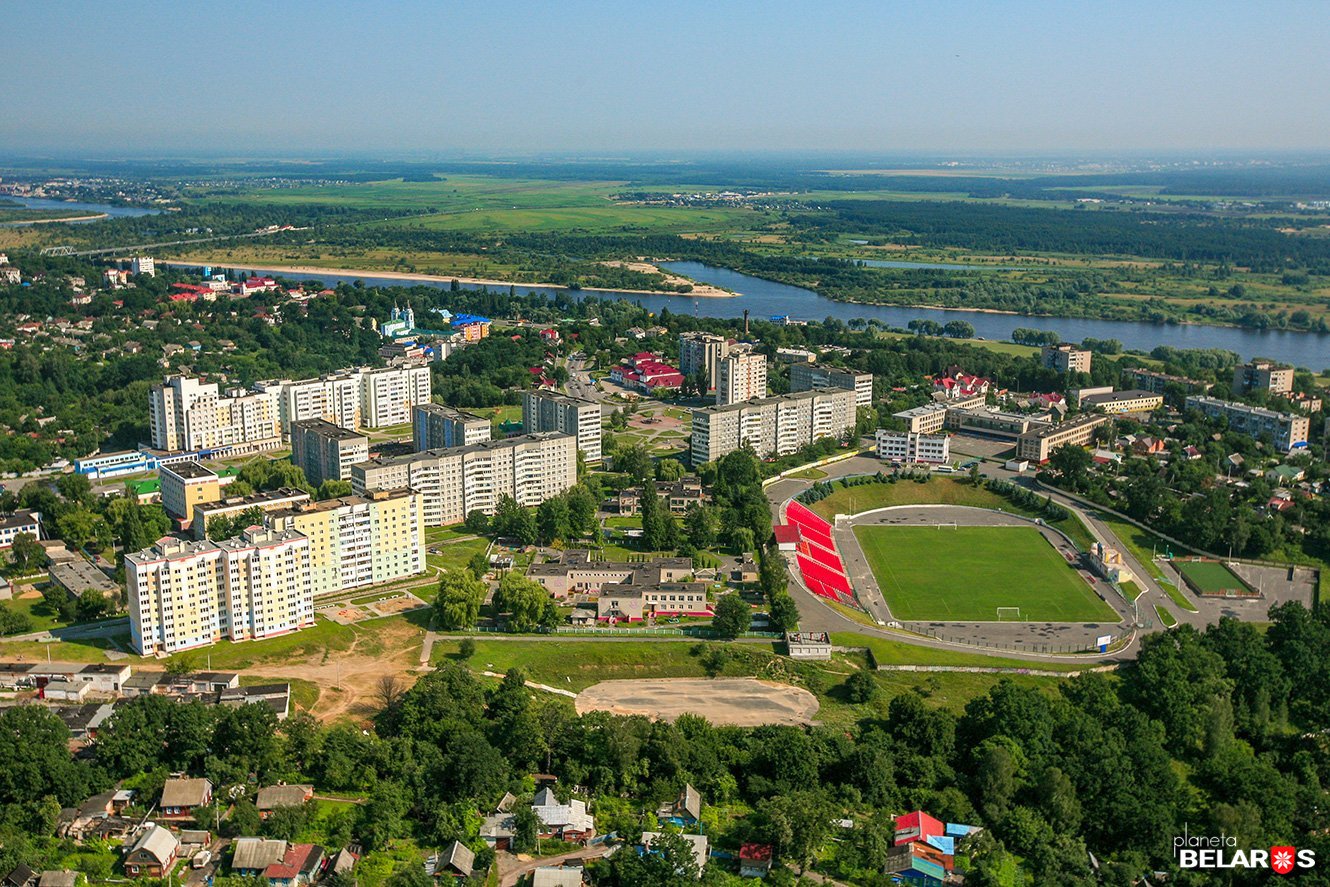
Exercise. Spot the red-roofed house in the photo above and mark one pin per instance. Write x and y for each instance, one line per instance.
(299, 867)
(550, 335)
(961, 385)
(254, 285)
(918, 826)
(645, 371)
(754, 860)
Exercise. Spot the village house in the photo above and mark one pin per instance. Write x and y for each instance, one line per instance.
(456, 860)
(568, 822)
(182, 797)
(153, 855)
(274, 796)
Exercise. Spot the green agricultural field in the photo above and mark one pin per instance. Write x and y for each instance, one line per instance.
(965, 574)
(1210, 577)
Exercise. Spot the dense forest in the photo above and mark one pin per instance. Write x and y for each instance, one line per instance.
(1210, 732)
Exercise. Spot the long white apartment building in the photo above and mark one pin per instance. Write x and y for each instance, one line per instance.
(188, 414)
(551, 411)
(333, 398)
(388, 394)
(742, 376)
(772, 426)
(906, 446)
(454, 482)
(815, 377)
(185, 594)
(1288, 430)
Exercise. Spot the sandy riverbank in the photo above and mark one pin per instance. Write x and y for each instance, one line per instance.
(699, 290)
(23, 223)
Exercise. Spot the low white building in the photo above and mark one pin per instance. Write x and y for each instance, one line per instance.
(907, 446)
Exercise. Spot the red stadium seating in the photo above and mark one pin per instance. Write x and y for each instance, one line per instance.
(820, 564)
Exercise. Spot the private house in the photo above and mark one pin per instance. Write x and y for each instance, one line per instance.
(20, 876)
(280, 863)
(497, 830)
(456, 861)
(61, 878)
(754, 860)
(182, 797)
(685, 810)
(557, 876)
(699, 844)
(567, 822)
(153, 855)
(924, 849)
(274, 796)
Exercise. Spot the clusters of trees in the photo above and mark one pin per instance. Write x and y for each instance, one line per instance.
(953, 329)
(1214, 731)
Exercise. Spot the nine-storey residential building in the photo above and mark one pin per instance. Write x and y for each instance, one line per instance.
(325, 451)
(703, 352)
(435, 426)
(815, 377)
(388, 394)
(359, 540)
(551, 411)
(454, 482)
(334, 398)
(772, 426)
(742, 376)
(185, 594)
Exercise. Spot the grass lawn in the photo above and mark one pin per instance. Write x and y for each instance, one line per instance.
(42, 614)
(809, 474)
(934, 491)
(985, 568)
(83, 650)
(1177, 596)
(576, 665)
(1139, 542)
(1165, 617)
(303, 693)
(445, 534)
(456, 555)
(1210, 577)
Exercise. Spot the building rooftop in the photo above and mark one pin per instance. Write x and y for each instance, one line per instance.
(189, 471)
(267, 497)
(79, 576)
(1115, 396)
(782, 398)
(324, 428)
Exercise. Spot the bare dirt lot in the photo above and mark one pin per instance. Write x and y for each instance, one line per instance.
(740, 702)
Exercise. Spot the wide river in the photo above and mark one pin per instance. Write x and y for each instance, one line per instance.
(765, 298)
(71, 206)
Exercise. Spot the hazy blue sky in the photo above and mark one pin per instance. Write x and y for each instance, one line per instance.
(616, 77)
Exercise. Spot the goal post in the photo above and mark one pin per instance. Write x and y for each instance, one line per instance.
(1013, 613)
(946, 525)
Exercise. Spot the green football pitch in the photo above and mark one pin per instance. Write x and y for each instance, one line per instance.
(1210, 577)
(966, 574)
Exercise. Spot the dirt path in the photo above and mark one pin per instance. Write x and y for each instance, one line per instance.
(349, 680)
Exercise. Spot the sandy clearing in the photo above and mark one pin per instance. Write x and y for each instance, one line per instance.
(739, 702)
(703, 290)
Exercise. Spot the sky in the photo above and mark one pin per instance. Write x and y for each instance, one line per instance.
(400, 77)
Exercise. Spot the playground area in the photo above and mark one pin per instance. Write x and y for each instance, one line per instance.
(353, 610)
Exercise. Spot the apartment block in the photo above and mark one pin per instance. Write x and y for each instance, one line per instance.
(903, 446)
(702, 352)
(185, 594)
(359, 540)
(815, 377)
(186, 414)
(325, 451)
(334, 398)
(550, 411)
(1262, 375)
(772, 425)
(435, 426)
(143, 265)
(1037, 444)
(185, 485)
(1156, 382)
(454, 482)
(1066, 358)
(1288, 431)
(387, 395)
(742, 376)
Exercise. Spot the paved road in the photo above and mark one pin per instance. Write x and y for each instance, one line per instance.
(511, 869)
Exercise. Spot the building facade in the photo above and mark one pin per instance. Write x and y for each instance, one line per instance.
(1037, 444)
(703, 352)
(185, 485)
(359, 540)
(1262, 375)
(1156, 382)
(741, 376)
(263, 502)
(185, 594)
(454, 482)
(325, 451)
(903, 446)
(435, 426)
(814, 377)
(772, 426)
(186, 414)
(1066, 358)
(1119, 402)
(1287, 430)
(388, 394)
(551, 411)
